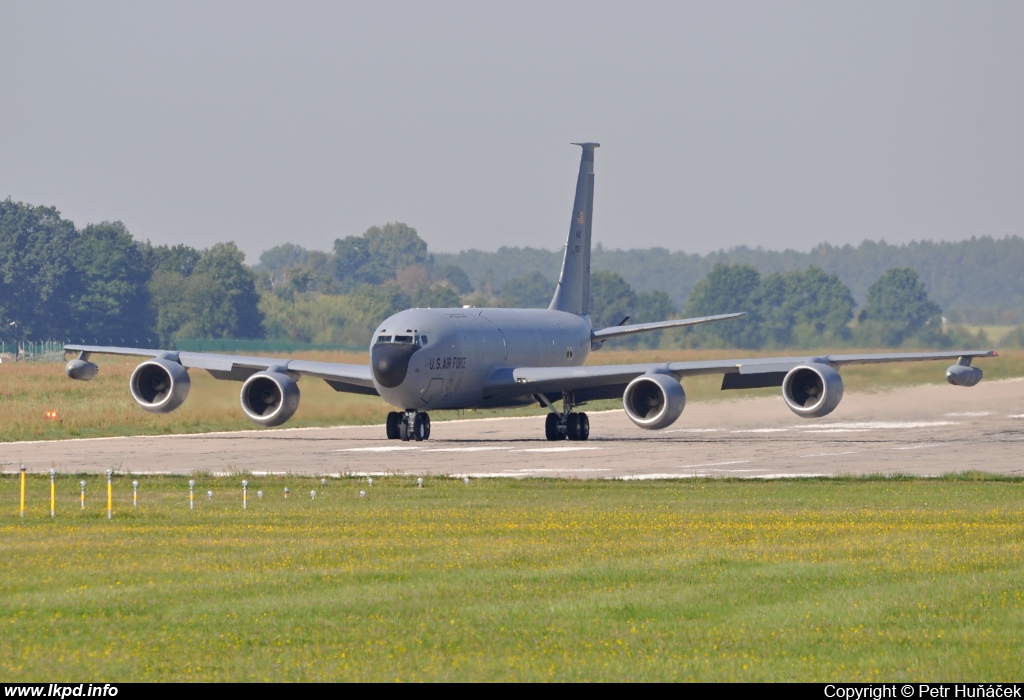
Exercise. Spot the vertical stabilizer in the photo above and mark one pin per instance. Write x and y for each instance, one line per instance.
(573, 291)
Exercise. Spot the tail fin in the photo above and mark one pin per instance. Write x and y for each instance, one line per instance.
(573, 291)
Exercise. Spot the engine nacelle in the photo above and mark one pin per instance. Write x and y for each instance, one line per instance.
(812, 390)
(963, 375)
(654, 401)
(159, 385)
(270, 398)
(82, 370)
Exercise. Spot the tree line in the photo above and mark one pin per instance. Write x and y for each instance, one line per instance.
(99, 284)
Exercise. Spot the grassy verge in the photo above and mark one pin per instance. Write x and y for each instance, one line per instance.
(103, 406)
(855, 579)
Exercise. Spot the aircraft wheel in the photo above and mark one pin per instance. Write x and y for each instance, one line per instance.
(405, 430)
(393, 425)
(551, 427)
(420, 427)
(582, 426)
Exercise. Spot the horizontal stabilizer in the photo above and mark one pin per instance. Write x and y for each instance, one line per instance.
(619, 331)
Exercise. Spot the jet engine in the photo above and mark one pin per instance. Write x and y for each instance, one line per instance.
(270, 398)
(812, 390)
(963, 375)
(159, 385)
(654, 401)
(82, 370)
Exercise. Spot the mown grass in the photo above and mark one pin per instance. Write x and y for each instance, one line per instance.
(806, 580)
(103, 406)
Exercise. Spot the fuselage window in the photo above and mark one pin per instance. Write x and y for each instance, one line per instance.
(383, 338)
(403, 339)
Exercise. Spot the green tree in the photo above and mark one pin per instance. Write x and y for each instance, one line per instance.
(611, 299)
(898, 309)
(727, 289)
(35, 271)
(532, 291)
(650, 307)
(217, 300)
(804, 308)
(110, 301)
(377, 255)
(283, 256)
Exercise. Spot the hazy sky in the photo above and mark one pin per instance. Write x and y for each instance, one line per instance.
(774, 124)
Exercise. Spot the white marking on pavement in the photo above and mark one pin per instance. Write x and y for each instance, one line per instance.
(761, 430)
(470, 449)
(692, 430)
(713, 464)
(969, 414)
(830, 454)
(1017, 415)
(886, 425)
(382, 448)
(837, 430)
(556, 449)
(921, 447)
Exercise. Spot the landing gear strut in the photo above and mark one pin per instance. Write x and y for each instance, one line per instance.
(563, 424)
(410, 425)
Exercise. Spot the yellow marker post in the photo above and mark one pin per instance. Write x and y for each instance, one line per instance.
(135, 494)
(245, 494)
(23, 490)
(110, 494)
(191, 494)
(53, 494)
(82, 484)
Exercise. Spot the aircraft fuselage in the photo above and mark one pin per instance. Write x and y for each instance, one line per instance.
(426, 359)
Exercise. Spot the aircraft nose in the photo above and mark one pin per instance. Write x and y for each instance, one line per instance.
(390, 362)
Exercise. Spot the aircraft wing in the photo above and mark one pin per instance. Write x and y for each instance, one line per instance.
(355, 379)
(609, 381)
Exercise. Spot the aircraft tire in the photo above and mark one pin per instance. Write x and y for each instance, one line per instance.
(393, 425)
(582, 426)
(420, 427)
(404, 430)
(551, 428)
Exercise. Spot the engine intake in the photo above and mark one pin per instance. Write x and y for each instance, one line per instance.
(270, 398)
(159, 385)
(654, 401)
(812, 390)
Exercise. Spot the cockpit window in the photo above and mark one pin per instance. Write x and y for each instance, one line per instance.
(403, 339)
(421, 340)
(383, 338)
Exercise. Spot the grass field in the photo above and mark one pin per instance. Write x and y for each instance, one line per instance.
(844, 579)
(103, 406)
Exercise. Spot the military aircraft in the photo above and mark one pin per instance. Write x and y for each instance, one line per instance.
(432, 359)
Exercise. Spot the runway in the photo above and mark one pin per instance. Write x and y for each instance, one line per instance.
(926, 430)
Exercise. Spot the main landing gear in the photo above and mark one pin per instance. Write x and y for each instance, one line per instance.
(411, 425)
(560, 425)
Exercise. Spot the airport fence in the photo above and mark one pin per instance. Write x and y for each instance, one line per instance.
(27, 351)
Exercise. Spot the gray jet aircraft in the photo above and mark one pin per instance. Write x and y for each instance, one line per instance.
(431, 359)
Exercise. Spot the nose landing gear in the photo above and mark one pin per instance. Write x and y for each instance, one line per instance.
(411, 425)
(565, 424)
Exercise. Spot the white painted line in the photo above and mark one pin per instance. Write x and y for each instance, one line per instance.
(883, 425)
(761, 430)
(469, 449)
(692, 430)
(921, 447)
(649, 477)
(556, 449)
(382, 448)
(712, 464)
(1018, 415)
(969, 414)
(556, 470)
(830, 454)
(837, 430)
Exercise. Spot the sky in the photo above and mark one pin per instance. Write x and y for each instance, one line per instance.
(779, 125)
